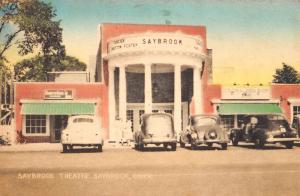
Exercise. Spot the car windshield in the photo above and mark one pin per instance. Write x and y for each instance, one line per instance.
(271, 122)
(83, 120)
(159, 124)
(202, 121)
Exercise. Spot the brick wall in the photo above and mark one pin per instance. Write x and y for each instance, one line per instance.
(87, 91)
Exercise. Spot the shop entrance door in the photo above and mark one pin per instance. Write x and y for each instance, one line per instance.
(58, 123)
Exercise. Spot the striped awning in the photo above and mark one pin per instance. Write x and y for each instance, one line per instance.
(248, 108)
(57, 108)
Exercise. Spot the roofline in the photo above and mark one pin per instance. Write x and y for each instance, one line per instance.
(142, 24)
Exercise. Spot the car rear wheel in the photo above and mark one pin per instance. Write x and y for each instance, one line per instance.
(99, 148)
(224, 146)
(235, 140)
(165, 146)
(70, 148)
(141, 146)
(193, 146)
(289, 145)
(258, 143)
(65, 148)
(173, 147)
(136, 146)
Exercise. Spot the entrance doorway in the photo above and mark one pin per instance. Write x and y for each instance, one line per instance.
(135, 111)
(57, 124)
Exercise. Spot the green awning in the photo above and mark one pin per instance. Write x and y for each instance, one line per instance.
(57, 108)
(249, 108)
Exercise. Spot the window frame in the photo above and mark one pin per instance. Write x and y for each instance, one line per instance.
(47, 133)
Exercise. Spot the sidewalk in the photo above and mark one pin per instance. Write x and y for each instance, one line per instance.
(46, 147)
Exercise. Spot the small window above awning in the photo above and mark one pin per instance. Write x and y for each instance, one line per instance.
(57, 108)
(248, 108)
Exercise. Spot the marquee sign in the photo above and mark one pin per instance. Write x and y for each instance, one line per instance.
(58, 94)
(157, 41)
(253, 93)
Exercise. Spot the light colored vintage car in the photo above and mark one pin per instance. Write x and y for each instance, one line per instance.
(204, 129)
(82, 130)
(156, 128)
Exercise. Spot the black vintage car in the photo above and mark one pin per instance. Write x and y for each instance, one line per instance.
(262, 129)
(204, 129)
(156, 128)
(296, 123)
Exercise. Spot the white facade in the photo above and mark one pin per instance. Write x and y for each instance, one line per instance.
(167, 52)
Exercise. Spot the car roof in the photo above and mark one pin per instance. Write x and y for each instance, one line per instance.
(156, 113)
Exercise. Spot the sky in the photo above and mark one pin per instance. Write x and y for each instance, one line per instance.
(250, 39)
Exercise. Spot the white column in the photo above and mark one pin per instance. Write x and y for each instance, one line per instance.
(122, 93)
(177, 98)
(235, 122)
(197, 88)
(112, 104)
(148, 89)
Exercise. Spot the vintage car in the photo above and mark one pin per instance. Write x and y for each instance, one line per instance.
(156, 128)
(82, 130)
(204, 129)
(262, 129)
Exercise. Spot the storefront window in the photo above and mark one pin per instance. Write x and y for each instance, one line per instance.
(296, 110)
(227, 121)
(35, 124)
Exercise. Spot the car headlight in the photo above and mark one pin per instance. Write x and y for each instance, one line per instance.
(212, 134)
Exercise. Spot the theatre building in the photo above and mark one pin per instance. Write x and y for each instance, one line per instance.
(141, 69)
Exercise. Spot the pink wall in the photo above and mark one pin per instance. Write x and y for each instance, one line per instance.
(284, 92)
(86, 91)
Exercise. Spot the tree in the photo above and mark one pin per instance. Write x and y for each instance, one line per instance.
(287, 75)
(33, 69)
(29, 25)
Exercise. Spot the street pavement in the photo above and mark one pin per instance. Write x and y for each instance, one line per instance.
(118, 170)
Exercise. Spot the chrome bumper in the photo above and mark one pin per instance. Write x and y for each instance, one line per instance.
(209, 141)
(159, 140)
(282, 139)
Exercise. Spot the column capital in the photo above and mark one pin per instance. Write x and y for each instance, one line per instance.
(177, 65)
(112, 68)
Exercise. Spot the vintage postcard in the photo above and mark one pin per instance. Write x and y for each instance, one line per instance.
(146, 97)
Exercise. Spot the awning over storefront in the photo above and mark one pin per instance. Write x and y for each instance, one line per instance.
(249, 108)
(57, 108)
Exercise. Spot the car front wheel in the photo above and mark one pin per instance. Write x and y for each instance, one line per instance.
(234, 140)
(99, 148)
(224, 146)
(193, 146)
(182, 144)
(258, 143)
(141, 146)
(65, 148)
(289, 145)
(173, 147)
